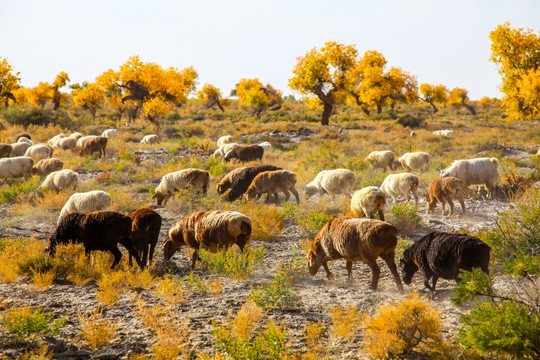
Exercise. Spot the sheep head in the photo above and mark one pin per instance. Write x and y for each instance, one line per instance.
(309, 191)
(251, 192)
(407, 266)
(159, 197)
(314, 262)
(169, 248)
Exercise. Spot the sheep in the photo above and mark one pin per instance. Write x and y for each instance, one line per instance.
(39, 151)
(355, 240)
(100, 230)
(46, 166)
(413, 134)
(5, 150)
(243, 180)
(81, 140)
(210, 229)
(19, 148)
(444, 255)
(109, 133)
(61, 179)
(26, 137)
(382, 159)
(245, 153)
(226, 182)
(92, 145)
(444, 190)
(272, 182)
(367, 202)
(333, 182)
(86, 202)
(415, 160)
(150, 139)
(401, 184)
(265, 145)
(172, 182)
(475, 172)
(146, 224)
(16, 167)
(444, 133)
(52, 141)
(67, 143)
(225, 139)
(76, 135)
(224, 149)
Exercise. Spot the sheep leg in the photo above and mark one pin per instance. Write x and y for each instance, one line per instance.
(434, 281)
(443, 202)
(295, 193)
(381, 214)
(462, 203)
(349, 271)
(389, 260)
(451, 203)
(194, 259)
(376, 272)
(117, 256)
(144, 256)
(415, 194)
(152, 249)
(329, 275)
(287, 194)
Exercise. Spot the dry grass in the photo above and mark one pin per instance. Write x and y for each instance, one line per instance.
(345, 322)
(96, 330)
(111, 287)
(266, 220)
(171, 290)
(43, 280)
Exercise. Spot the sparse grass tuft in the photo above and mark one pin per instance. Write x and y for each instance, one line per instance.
(24, 322)
(345, 322)
(171, 290)
(232, 262)
(277, 294)
(43, 280)
(111, 287)
(266, 220)
(405, 217)
(97, 330)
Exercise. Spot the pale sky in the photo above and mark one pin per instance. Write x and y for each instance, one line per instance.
(441, 42)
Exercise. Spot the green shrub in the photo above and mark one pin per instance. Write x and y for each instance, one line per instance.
(232, 262)
(30, 115)
(276, 294)
(405, 217)
(411, 121)
(24, 321)
(314, 221)
(28, 188)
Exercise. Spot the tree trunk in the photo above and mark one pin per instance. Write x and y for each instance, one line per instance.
(327, 111)
(218, 103)
(470, 108)
(379, 108)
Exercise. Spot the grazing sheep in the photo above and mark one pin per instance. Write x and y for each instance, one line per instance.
(146, 224)
(333, 182)
(245, 153)
(67, 143)
(91, 145)
(16, 167)
(355, 240)
(224, 149)
(109, 133)
(5, 150)
(368, 201)
(25, 139)
(226, 182)
(225, 139)
(100, 230)
(76, 135)
(39, 151)
(61, 179)
(272, 182)
(25, 136)
(266, 146)
(413, 134)
(86, 202)
(440, 254)
(52, 141)
(444, 133)
(445, 190)
(210, 229)
(243, 180)
(19, 148)
(172, 182)
(46, 166)
(382, 159)
(401, 184)
(415, 160)
(150, 139)
(475, 172)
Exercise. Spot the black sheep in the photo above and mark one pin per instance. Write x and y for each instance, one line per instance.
(244, 178)
(145, 230)
(245, 153)
(443, 255)
(99, 230)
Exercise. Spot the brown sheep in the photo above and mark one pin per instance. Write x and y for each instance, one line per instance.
(355, 240)
(272, 182)
(444, 255)
(145, 230)
(211, 230)
(226, 183)
(244, 178)
(5, 150)
(445, 190)
(92, 145)
(46, 166)
(181, 179)
(245, 153)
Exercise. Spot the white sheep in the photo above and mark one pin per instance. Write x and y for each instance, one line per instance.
(265, 145)
(332, 182)
(76, 135)
(413, 134)
(225, 139)
(415, 160)
(25, 140)
(224, 149)
(16, 167)
(382, 159)
(95, 200)
(444, 133)
(66, 143)
(39, 151)
(401, 184)
(150, 139)
(61, 179)
(19, 148)
(52, 141)
(475, 171)
(109, 133)
(81, 140)
(367, 202)
(172, 182)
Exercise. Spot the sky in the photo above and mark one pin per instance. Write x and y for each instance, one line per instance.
(441, 42)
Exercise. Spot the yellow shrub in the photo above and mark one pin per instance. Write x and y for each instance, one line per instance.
(141, 279)
(153, 317)
(266, 222)
(170, 290)
(246, 319)
(43, 280)
(97, 330)
(111, 286)
(171, 341)
(345, 322)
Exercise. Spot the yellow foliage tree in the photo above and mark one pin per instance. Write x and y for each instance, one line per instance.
(89, 97)
(460, 97)
(39, 95)
(433, 94)
(210, 96)
(9, 81)
(324, 73)
(516, 52)
(252, 93)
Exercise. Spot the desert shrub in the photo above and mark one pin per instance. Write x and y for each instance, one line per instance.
(29, 190)
(315, 346)
(405, 217)
(195, 282)
(266, 220)
(96, 330)
(276, 294)
(20, 257)
(231, 262)
(170, 289)
(43, 353)
(111, 287)
(293, 269)
(410, 121)
(314, 221)
(215, 167)
(345, 322)
(23, 321)
(411, 325)
(30, 115)
(43, 280)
